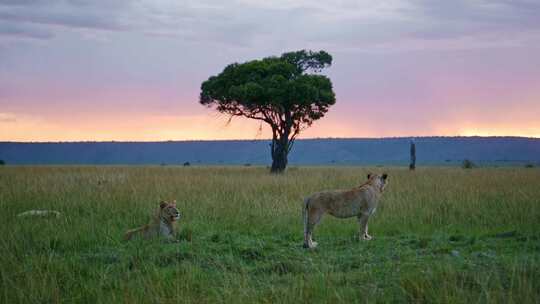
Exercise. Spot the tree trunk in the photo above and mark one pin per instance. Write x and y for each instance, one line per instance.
(412, 165)
(280, 151)
(280, 146)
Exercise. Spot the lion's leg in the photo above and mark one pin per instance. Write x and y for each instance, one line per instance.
(314, 217)
(363, 227)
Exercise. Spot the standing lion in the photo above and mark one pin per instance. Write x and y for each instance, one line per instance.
(360, 201)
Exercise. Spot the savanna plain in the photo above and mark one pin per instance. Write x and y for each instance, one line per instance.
(441, 235)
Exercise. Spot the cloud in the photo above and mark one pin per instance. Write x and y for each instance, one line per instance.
(24, 31)
(66, 16)
(444, 19)
(7, 118)
(428, 25)
(253, 23)
(18, 2)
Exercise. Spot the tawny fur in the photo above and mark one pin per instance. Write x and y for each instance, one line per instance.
(360, 201)
(162, 225)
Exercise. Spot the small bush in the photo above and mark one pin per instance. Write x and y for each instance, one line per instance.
(2, 162)
(467, 164)
(187, 164)
(529, 165)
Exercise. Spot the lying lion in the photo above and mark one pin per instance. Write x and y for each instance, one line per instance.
(360, 201)
(162, 225)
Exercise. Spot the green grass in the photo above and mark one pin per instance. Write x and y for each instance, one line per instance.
(443, 235)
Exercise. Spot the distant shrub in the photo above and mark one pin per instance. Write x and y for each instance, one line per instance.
(2, 162)
(247, 165)
(467, 164)
(529, 165)
(187, 164)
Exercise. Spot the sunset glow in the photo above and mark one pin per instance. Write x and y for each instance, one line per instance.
(132, 71)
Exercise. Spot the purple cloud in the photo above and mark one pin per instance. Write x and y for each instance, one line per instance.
(22, 30)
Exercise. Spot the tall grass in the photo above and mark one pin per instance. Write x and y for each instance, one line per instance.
(441, 235)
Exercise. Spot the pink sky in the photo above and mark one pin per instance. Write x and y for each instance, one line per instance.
(126, 71)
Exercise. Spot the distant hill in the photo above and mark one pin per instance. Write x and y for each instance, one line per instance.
(358, 151)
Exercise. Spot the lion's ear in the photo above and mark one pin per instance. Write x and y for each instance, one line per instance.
(369, 175)
(173, 203)
(384, 176)
(162, 204)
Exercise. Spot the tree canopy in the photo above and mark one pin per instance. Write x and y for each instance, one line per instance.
(285, 92)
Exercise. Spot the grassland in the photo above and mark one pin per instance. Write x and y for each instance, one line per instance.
(440, 235)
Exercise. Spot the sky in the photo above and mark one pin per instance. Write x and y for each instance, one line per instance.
(84, 70)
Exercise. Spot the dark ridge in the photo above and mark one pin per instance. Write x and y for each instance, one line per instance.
(449, 151)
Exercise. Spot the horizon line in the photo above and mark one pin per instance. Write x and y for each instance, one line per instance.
(268, 139)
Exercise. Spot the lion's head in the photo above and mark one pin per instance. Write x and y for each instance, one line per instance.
(378, 181)
(168, 211)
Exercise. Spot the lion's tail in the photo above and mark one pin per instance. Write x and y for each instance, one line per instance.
(130, 233)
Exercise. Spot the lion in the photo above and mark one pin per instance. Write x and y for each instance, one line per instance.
(360, 201)
(162, 225)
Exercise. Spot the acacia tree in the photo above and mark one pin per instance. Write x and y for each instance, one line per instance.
(285, 92)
